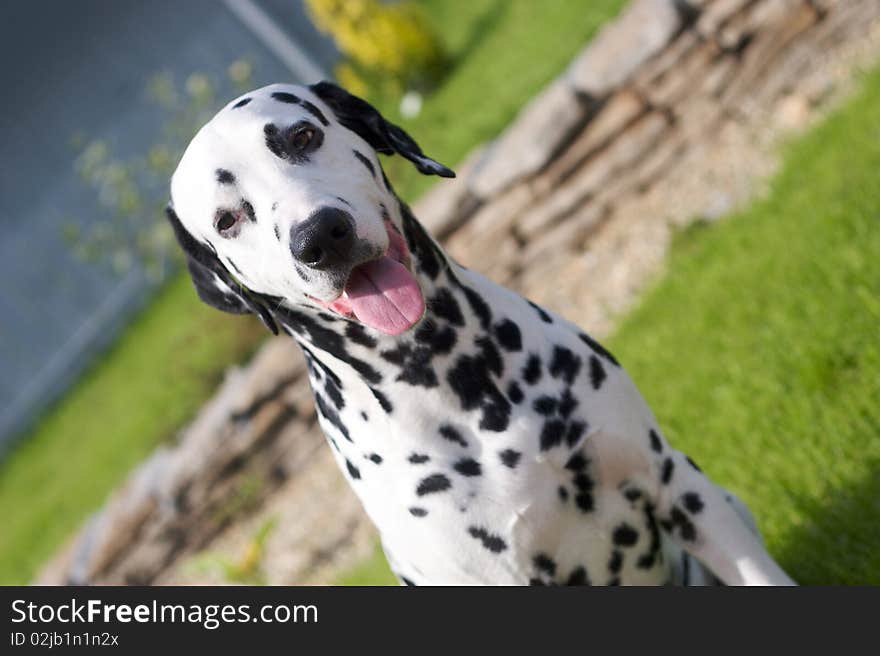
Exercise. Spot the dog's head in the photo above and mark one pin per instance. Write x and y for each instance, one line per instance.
(280, 198)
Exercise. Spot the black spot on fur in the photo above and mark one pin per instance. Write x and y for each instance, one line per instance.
(331, 416)
(414, 364)
(451, 434)
(479, 307)
(285, 97)
(562, 492)
(694, 465)
(492, 542)
(468, 467)
(567, 404)
(578, 576)
(353, 471)
(508, 335)
(546, 318)
(565, 364)
(333, 390)
(241, 103)
(490, 354)
(326, 339)
(232, 264)
(632, 494)
(363, 159)
(383, 400)
(552, 434)
(357, 333)
(510, 458)
(424, 250)
(314, 111)
(415, 511)
(469, 379)
(531, 372)
(582, 482)
(575, 432)
(544, 405)
(274, 141)
(666, 474)
(625, 535)
(648, 560)
(576, 463)
(544, 563)
(277, 232)
(406, 581)
(418, 458)
(678, 519)
(597, 372)
(376, 458)
(692, 502)
(444, 306)
(584, 501)
(432, 484)
(440, 340)
(496, 416)
(615, 563)
(656, 443)
(225, 177)
(598, 348)
(514, 392)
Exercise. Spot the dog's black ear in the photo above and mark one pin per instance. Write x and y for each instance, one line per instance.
(213, 283)
(361, 117)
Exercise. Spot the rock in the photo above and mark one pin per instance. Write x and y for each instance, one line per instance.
(620, 110)
(538, 132)
(635, 143)
(718, 13)
(440, 210)
(643, 30)
(793, 112)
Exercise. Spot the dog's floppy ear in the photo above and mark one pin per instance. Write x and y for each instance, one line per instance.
(213, 283)
(361, 117)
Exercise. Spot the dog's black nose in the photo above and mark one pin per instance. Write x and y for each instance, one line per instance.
(324, 240)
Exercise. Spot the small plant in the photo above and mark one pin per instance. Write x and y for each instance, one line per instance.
(247, 568)
(134, 190)
(390, 47)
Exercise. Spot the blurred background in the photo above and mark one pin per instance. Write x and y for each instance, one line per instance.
(694, 181)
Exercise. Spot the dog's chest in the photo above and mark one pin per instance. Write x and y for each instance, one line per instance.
(472, 449)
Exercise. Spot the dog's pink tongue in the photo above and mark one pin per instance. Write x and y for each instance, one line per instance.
(385, 296)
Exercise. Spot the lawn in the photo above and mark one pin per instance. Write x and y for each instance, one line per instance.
(171, 358)
(759, 351)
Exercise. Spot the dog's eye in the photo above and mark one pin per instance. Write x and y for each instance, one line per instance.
(225, 222)
(302, 138)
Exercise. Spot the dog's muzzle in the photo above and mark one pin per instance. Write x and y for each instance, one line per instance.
(382, 293)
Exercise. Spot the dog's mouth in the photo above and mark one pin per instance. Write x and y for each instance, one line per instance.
(383, 293)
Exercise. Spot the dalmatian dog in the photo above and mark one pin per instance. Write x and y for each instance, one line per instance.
(490, 440)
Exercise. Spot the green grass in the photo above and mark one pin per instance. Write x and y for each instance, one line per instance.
(152, 381)
(759, 351)
(503, 53)
(373, 571)
(170, 360)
